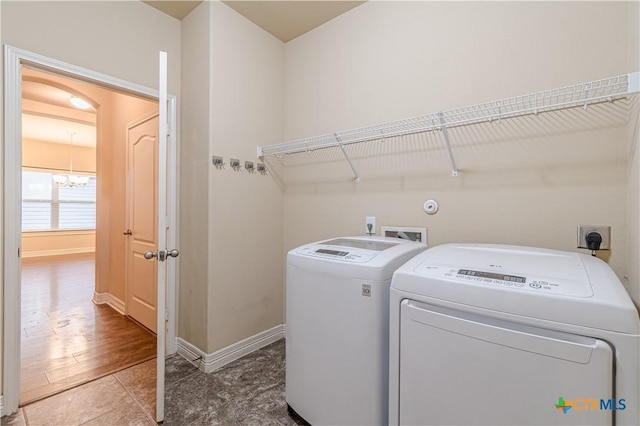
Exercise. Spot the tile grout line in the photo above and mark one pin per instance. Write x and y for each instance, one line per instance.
(135, 399)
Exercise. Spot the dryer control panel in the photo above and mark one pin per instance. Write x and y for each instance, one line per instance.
(335, 253)
(496, 267)
(504, 280)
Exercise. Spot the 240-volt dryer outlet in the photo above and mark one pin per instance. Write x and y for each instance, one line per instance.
(604, 231)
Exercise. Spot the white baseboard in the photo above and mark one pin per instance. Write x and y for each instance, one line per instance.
(220, 358)
(109, 299)
(58, 252)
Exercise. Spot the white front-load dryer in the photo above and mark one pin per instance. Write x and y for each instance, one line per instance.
(337, 333)
(489, 334)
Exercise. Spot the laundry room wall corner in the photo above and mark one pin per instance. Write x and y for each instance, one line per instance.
(194, 178)
(246, 211)
(232, 282)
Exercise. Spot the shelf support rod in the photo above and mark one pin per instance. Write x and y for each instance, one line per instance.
(634, 82)
(445, 134)
(353, 169)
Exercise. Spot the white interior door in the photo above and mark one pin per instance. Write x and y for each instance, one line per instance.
(162, 253)
(147, 199)
(142, 220)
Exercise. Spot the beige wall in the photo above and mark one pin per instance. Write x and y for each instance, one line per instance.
(51, 243)
(529, 181)
(120, 39)
(194, 177)
(47, 155)
(245, 209)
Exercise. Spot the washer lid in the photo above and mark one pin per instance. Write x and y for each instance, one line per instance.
(374, 245)
(372, 258)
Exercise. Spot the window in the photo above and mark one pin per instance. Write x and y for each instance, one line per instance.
(47, 206)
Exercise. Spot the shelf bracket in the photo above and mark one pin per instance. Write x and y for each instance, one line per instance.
(445, 134)
(586, 102)
(353, 169)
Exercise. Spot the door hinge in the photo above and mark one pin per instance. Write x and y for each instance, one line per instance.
(166, 314)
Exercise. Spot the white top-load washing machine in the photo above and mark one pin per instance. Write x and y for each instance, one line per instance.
(337, 332)
(489, 334)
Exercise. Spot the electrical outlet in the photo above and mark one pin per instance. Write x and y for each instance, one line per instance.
(604, 231)
(370, 220)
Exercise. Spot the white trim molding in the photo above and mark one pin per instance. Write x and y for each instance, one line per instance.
(11, 228)
(1, 405)
(111, 300)
(213, 361)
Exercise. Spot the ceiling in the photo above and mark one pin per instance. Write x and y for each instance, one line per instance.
(285, 20)
(176, 8)
(47, 114)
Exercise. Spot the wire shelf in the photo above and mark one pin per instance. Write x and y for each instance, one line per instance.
(577, 95)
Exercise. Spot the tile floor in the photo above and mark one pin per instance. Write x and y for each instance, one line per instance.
(249, 391)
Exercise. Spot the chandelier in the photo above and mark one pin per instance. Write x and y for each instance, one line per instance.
(70, 180)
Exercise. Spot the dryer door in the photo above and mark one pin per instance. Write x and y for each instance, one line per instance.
(461, 368)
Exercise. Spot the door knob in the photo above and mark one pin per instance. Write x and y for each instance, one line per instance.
(127, 232)
(161, 254)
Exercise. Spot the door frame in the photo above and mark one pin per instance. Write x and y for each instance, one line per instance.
(14, 59)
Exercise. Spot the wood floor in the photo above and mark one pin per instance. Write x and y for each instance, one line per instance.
(66, 339)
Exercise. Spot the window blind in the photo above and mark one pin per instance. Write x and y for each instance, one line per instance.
(47, 206)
